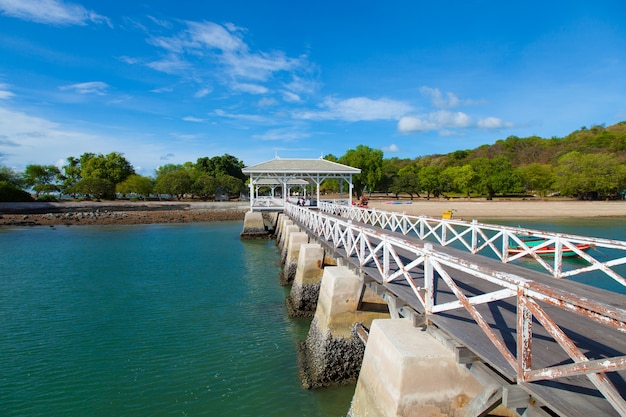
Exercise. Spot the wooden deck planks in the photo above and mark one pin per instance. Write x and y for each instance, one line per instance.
(573, 396)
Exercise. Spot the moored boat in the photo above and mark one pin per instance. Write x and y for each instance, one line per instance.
(547, 250)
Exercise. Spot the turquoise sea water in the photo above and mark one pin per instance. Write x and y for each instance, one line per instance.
(160, 320)
(598, 227)
(148, 320)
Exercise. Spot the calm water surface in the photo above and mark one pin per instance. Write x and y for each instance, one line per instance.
(149, 320)
(599, 227)
(161, 320)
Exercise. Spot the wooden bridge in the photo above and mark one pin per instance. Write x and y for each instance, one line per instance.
(559, 343)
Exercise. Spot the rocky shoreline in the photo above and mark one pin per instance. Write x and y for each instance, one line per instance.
(94, 213)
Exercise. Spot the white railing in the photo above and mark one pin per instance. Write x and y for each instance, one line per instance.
(392, 259)
(266, 201)
(604, 254)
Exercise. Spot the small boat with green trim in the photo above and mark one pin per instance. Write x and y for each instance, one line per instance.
(547, 250)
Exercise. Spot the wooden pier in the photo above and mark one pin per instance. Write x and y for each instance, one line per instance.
(558, 346)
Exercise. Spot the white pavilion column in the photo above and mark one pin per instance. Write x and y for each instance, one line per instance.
(251, 193)
(351, 187)
(317, 189)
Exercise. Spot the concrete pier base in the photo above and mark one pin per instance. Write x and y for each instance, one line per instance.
(407, 372)
(290, 264)
(284, 246)
(284, 231)
(332, 352)
(305, 290)
(254, 226)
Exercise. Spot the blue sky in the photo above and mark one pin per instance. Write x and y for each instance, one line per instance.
(170, 81)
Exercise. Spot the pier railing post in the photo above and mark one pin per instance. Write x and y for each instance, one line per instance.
(525, 335)
(429, 279)
(474, 235)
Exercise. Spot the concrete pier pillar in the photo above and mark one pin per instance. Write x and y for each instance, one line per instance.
(283, 222)
(332, 352)
(284, 247)
(292, 253)
(306, 285)
(271, 221)
(279, 224)
(288, 227)
(407, 372)
(254, 226)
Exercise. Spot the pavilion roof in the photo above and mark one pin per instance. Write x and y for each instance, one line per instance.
(274, 181)
(301, 166)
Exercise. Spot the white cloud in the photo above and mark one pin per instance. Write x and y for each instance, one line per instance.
(202, 46)
(203, 92)
(170, 65)
(95, 87)
(248, 117)
(283, 134)
(187, 137)
(129, 60)
(31, 139)
(447, 100)
(391, 148)
(447, 123)
(162, 23)
(493, 123)
(54, 12)
(301, 85)
(357, 109)
(291, 97)
(162, 90)
(250, 88)
(267, 102)
(4, 92)
(193, 119)
(438, 120)
(438, 100)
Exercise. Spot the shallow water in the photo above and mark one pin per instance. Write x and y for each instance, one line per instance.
(598, 227)
(176, 319)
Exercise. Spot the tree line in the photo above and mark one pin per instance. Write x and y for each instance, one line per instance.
(98, 176)
(589, 163)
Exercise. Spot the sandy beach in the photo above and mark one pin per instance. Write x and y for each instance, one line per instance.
(123, 212)
(480, 209)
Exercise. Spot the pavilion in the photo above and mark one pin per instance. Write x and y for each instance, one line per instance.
(287, 173)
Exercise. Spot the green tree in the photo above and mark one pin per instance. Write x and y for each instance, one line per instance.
(41, 178)
(590, 176)
(431, 181)
(221, 165)
(71, 174)
(495, 176)
(136, 184)
(330, 185)
(204, 186)
(10, 176)
(167, 168)
(112, 167)
(9, 192)
(175, 183)
(94, 188)
(229, 185)
(370, 161)
(461, 178)
(390, 170)
(406, 181)
(537, 178)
